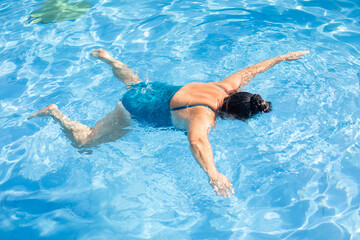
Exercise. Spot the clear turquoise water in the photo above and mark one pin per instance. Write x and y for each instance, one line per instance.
(296, 171)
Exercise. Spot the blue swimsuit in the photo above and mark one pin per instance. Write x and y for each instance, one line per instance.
(150, 103)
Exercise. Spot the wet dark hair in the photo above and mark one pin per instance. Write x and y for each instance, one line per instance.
(244, 105)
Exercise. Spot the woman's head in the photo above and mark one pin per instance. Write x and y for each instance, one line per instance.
(244, 105)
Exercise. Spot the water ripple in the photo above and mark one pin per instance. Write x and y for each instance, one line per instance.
(295, 171)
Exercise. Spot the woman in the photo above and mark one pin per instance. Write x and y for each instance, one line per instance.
(192, 107)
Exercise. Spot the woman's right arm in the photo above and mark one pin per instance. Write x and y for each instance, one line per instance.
(198, 130)
(244, 76)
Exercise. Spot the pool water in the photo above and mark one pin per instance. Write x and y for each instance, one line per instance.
(295, 171)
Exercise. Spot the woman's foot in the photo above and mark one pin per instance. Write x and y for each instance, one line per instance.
(102, 55)
(120, 70)
(44, 112)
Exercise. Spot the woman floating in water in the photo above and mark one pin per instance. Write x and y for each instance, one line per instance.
(192, 107)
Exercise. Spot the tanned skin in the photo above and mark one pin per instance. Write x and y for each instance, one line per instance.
(197, 121)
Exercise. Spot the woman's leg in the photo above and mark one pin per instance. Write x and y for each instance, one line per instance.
(120, 70)
(110, 128)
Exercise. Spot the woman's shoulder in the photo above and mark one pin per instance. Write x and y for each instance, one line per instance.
(200, 85)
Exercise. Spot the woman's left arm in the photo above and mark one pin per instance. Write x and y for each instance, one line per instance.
(244, 76)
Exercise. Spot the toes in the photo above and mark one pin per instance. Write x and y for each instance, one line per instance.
(38, 114)
(99, 53)
(44, 112)
(96, 53)
(31, 116)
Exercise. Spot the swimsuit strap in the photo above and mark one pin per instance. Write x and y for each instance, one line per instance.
(222, 88)
(193, 105)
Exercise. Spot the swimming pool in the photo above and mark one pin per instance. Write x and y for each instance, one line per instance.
(295, 171)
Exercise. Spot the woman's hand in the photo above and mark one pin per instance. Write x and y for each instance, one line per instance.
(291, 56)
(221, 185)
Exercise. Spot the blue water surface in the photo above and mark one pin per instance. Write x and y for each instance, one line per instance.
(295, 171)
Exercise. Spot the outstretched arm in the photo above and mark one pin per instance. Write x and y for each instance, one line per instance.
(242, 77)
(198, 131)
